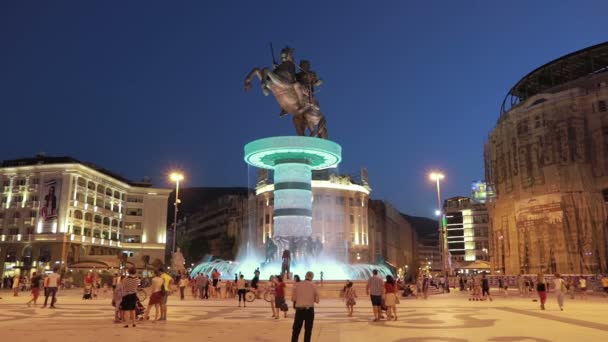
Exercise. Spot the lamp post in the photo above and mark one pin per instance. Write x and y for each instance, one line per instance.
(436, 177)
(175, 177)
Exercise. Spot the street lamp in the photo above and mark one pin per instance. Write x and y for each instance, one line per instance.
(175, 177)
(436, 177)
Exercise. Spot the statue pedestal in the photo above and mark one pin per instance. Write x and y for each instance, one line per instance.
(292, 158)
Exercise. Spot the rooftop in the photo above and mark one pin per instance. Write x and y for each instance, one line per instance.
(41, 159)
(570, 67)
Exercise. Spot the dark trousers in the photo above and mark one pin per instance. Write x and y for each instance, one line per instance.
(303, 315)
(50, 291)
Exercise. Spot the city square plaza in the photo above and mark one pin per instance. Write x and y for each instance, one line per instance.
(442, 317)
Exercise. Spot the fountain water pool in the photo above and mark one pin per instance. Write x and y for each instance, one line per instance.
(332, 270)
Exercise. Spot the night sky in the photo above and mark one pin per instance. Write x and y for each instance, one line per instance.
(141, 87)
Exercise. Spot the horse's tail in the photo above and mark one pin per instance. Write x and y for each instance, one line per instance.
(322, 128)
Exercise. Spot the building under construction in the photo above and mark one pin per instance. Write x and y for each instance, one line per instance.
(547, 159)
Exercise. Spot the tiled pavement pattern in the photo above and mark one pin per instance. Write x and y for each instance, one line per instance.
(450, 318)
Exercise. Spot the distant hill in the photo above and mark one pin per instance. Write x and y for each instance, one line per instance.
(424, 226)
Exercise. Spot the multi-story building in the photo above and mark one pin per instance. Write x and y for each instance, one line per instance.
(61, 211)
(339, 215)
(218, 228)
(392, 238)
(547, 159)
(466, 223)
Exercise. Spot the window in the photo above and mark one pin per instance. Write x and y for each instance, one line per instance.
(352, 219)
(267, 219)
(21, 181)
(32, 214)
(351, 202)
(35, 181)
(17, 215)
(133, 225)
(34, 198)
(135, 212)
(601, 106)
(6, 183)
(135, 199)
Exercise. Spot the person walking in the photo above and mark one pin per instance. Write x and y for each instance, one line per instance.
(349, 295)
(116, 302)
(390, 298)
(52, 282)
(16, 282)
(241, 290)
(541, 289)
(374, 290)
(560, 290)
(582, 286)
(183, 282)
(304, 297)
(279, 297)
(271, 288)
(35, 288)
(168, 280)
(129, 299)
(157, 295)
(485, 288)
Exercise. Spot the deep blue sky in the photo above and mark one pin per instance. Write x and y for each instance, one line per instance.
(140, 87)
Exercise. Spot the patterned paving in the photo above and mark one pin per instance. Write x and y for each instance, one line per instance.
(449, 318)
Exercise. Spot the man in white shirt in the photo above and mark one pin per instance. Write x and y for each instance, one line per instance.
(560, 290)
(52, 283)
(304, 296)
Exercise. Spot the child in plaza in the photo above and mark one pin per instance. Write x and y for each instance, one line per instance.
(349, 295)
(116, 300)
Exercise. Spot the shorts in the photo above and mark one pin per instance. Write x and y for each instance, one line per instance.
(583, 289)
(279, 302)
(164, 298)
(129, 302)
(35, 292)
(215, 281)
(376, 300)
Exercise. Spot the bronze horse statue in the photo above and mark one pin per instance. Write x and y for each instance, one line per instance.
(294, 92)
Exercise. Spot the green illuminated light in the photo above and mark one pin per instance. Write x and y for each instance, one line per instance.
(318, 153)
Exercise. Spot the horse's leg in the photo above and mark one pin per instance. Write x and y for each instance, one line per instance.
(254, 72)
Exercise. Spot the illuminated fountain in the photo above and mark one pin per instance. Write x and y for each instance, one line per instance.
(292, 158)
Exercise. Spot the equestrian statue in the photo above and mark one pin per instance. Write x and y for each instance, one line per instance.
(294, 91)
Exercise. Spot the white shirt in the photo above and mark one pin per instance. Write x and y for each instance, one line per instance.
(559, 284)
(157, 282)
(54, 280)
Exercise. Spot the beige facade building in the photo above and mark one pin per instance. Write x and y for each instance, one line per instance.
(393, 239)
(58, 211)
(340, 216)
(547, 159)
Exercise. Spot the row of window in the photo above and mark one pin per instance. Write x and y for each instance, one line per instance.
(18, 214)
(20, 182)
